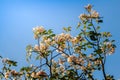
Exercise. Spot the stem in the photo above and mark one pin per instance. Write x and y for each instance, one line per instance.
(2, 74)
(39, 49)
(90, 76)
(98, 46)
(69, 47)
(61, 50)
(55, 56)
(39, 66)
(103, 70)
(51, 65)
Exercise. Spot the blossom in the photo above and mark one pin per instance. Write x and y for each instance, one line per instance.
(62, 69)
(88, 7)
(83, 17)
(67, 36)
(33, 74)
(38, 31)
(71, 58)
(112, 50)
(14, 73)
(41, 73)
(5, 60)
(94, 14)
(47, 42)
(74, 40)
(108, 48)
(36, 48)
(7, 74)
(64, 55)
(62, 37)
(61, 62)
(43, 47)
(89, 64)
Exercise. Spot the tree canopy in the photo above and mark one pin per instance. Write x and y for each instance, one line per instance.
(64, 56)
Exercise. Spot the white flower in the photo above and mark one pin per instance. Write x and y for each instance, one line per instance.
(36, 48)
(64, 55)
(61, 62)
(33, 29)
(88, 7)
(74, 40)
(43, 46)
(83, 17)
(4, 60)
(94, 14)
(47, 41)
(33, 75)
(71, 58)
(67, 36)
(38, 31)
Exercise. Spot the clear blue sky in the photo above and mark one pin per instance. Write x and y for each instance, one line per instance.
(18, 17)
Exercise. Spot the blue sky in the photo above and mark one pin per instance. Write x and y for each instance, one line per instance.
(18, 17)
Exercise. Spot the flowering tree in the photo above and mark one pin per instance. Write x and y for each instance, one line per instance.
(66, 57)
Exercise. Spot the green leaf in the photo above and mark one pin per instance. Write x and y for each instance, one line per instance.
(52, 35)
(90, 24)
(67, 29)
(99, 51)
(1, 57)
(85, 27)
(64, 28)
(100, 21)
(38, 57)
(13, 63)
(98, 27)
(28, 56)
(26, 69)
(106, 34)
(29, 48)
(92, 35)
(113, 41)
(99, 68)
(88, 28)
(79, 24)
(89, 46)
(50, 31)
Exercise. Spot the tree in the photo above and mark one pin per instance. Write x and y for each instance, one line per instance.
(66, 57)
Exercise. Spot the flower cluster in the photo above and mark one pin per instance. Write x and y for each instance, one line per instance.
(12, 73)
(92, 13)
(60, 40)
(42, 49)
(64, 56)
(62, 37)
(108, 48)
(48, 41)
(75, 60)
(76, 40)
(38, 74)
(38, 31)
(88, 7)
